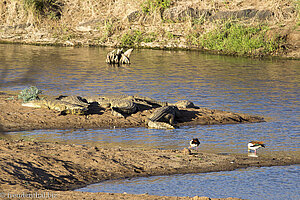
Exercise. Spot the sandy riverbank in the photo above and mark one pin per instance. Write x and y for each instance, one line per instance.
(41, 167)
(33, 167)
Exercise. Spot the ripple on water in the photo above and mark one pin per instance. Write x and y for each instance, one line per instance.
(267, 183)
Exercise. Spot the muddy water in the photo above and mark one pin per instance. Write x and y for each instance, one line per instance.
(265, 87)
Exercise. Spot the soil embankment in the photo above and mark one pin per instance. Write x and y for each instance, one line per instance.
(255, 28)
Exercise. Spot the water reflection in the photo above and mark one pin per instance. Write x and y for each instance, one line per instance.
(252, 154)
(274, 183)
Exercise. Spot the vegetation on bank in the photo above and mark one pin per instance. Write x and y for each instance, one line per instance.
(229, 36)
(48, 8)
(234, 38)
(136, 37)
(152, 5)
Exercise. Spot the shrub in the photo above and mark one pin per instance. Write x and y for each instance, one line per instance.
(234, 38)
(151, 5)
(50, 8)
(29, 94)
(131, 39)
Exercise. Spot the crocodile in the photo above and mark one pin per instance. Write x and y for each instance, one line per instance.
(124, 104)
(120, 105)
(159, 125)
(118, 56)
(54, 104)
(165, 116)
(146, 101)
(74, 100)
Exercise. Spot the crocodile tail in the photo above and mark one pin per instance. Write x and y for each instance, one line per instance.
(160, 112)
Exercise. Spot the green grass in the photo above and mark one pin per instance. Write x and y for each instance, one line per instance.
(234, 38)
(297, 5)
(29, 94)
(151, 5)
(134, 38)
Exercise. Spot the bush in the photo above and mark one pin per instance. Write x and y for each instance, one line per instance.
(29, 94)
(134, 38)
(131, 39)
(151, 5)
(50, 8)
(234, 38)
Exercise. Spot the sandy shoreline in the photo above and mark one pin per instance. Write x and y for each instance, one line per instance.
(54, 168)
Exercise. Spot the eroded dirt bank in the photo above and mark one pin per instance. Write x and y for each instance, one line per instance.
(15, 117)
(160, 24)
(53, 167)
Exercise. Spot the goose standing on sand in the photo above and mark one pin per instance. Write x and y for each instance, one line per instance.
(254, 145)
(194, 143)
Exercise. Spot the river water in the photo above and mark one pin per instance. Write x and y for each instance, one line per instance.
(253, 183)
(269, 88)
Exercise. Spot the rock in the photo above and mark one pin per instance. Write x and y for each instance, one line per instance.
(181, 14)
(242, 14)
(134, 16)
(264, 15)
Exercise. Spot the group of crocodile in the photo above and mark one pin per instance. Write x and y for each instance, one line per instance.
(117, 56)
(163, 116)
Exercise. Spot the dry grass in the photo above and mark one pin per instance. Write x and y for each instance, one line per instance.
(78, 11)
(108, 18)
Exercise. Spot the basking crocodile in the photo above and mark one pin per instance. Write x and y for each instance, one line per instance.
(124, 104)
(146, 101)
(118, 56)
(54, 104)
(165, 116)
(73, 100)
(119, 104)
(159, 125)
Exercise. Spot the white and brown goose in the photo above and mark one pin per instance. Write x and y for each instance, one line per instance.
(194, 143)
(254, 145)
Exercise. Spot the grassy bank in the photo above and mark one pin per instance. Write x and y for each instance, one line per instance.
(255, 28)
